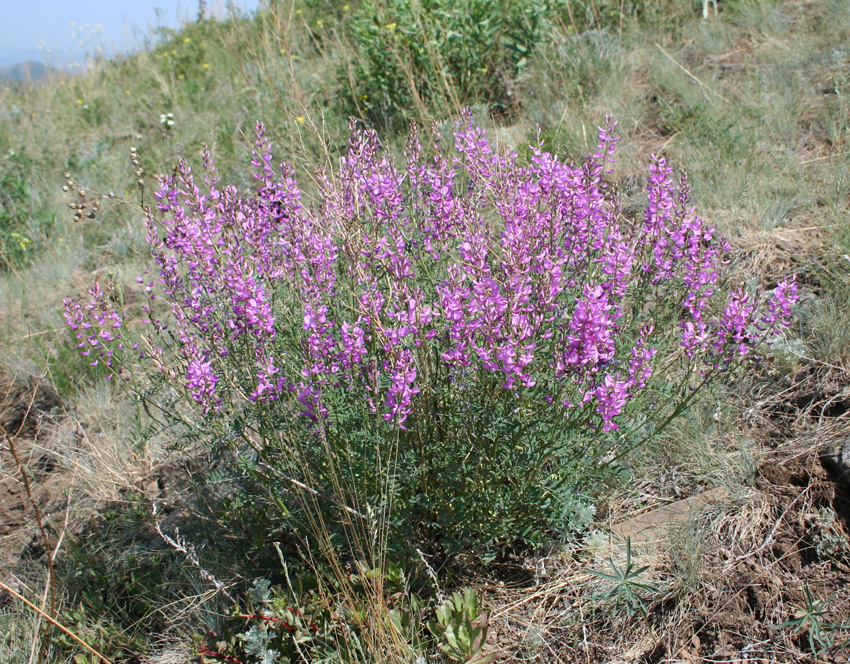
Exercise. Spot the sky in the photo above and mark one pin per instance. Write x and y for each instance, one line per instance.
(63, 31)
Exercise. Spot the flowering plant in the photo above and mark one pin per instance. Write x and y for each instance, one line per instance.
(452, 343)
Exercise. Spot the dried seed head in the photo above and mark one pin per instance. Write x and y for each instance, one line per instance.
(140, 182)
(66, 188)
(82, 193)
(73, 206)
(111, 194)
(66, 175)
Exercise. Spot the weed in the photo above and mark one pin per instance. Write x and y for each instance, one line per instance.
(305, 621)
(625, 588)
(461, 628)
(829, 537)
(808, 618)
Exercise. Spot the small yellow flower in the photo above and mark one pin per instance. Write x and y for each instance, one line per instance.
(299, 119)
(79, 101)
(206, 65)
(320, 24)
(298, 12)
(187, 40)
(390, 26)
(345, 8)
(126, 92)
(179, 77)
(283, 51)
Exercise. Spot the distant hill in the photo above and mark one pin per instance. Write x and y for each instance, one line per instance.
(23, 72)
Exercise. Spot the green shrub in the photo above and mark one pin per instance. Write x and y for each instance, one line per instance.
(414, 57)
(436, 357)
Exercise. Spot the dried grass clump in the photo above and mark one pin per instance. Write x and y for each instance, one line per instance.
(764, 256)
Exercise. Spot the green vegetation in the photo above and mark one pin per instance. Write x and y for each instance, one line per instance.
(436, 56)
(808, 619)
(625, 588)
(167, 548)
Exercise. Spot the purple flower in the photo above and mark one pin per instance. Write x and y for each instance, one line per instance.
(590, 339)
(201, 382)
(468, 266)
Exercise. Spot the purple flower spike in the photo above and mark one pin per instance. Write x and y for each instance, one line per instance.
(457, 269)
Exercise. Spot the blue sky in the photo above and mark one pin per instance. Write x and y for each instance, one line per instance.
(69, 28)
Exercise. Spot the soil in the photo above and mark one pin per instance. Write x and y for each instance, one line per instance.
(757, 558)
(24, 411)
(769, 587)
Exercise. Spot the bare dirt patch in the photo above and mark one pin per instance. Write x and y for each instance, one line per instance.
(25, 409)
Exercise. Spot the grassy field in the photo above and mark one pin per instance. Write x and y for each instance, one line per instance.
(137, 541)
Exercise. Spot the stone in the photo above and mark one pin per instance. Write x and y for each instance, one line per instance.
(653, 525)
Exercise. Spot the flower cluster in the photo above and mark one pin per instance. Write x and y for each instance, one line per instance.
(458, 266)
(97, 325)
